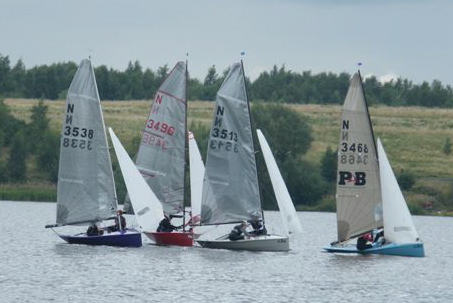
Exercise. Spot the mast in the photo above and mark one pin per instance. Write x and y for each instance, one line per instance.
(186, 135)
(253, 142)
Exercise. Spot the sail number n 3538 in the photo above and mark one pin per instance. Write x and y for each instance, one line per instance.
(81, 137)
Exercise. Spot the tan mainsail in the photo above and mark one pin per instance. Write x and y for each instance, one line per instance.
(359, 207)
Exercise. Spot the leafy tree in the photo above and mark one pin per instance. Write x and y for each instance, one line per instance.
(5, 69)
(406, 180)
(329, 165)
(3, 172)
(287, 132)
(211, 85)
(39, 124)
(17, 158)
(304, 181)
(47, 155)
(8, 124)
(162, 73)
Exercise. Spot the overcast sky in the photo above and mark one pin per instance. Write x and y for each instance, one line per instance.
(407, 38)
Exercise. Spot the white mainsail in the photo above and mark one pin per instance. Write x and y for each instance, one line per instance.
(196, 176)
(86, 189)
(148, 209)
(359, 207)
(285, 203)
(230, 188)
(161, 154)
(398, 224)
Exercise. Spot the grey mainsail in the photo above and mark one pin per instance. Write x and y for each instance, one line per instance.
(86, 189)
(161, 155)
(230, 187)
(359, 206)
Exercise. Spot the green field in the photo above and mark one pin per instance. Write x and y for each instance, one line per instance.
(412, 136)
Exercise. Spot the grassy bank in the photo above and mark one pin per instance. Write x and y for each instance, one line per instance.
(413, 137)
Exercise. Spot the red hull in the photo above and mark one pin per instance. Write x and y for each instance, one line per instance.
(171, 238)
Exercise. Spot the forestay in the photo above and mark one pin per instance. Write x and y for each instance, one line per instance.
(285, 203)
(359, 207)
(230, 188)
(399, 227)
(161, 155)
(86, 189)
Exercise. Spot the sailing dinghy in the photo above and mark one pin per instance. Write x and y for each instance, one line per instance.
(231, 191)
(86, 190)
(161, 157)
(368, 195)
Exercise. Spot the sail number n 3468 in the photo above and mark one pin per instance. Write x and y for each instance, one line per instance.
(359, 147)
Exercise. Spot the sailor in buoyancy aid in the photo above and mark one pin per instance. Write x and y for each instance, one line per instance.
(364, 241)
(238, 232)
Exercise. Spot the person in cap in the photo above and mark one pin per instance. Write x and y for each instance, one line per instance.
(239, 232)
(118, 219)
(165, 225)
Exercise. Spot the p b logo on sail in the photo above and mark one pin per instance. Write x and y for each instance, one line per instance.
(352, 178)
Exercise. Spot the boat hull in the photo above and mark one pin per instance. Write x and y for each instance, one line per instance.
(261, 243)
(124, 238)
(415, 249)
(171, 238)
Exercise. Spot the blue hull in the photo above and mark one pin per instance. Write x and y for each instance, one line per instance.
(124, 238)
(415, 249)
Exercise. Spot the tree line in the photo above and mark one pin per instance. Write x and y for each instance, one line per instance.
(277, 85)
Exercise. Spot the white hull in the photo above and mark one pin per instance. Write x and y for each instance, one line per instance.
(261, 243)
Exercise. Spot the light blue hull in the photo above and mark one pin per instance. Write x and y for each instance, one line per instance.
(406, 249)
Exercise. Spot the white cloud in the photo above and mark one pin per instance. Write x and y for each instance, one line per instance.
(388, 77)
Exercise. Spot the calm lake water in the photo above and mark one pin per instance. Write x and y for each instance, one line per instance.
(37, 266)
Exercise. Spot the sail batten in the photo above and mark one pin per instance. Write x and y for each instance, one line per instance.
(86, 189)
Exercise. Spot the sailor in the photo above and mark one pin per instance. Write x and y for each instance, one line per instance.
(364, 241)
(238, 232)
(379, 237)
(258, 228)
(165, 225)
(119, 218)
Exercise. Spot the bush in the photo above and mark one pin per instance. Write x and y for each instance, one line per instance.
(406, 180)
